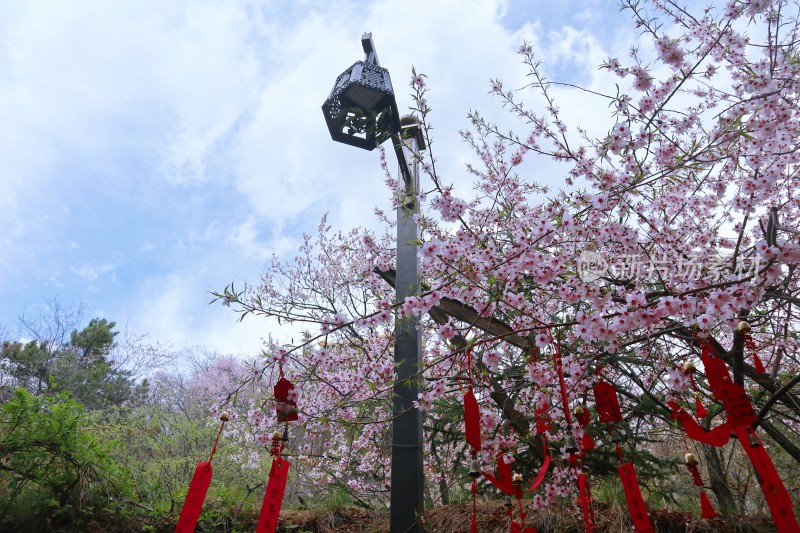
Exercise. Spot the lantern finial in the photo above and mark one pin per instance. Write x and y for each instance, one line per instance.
(370, 56)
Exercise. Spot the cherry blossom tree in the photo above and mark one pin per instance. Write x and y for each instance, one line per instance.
(668, 232)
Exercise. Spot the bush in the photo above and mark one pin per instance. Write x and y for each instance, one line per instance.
(54, 474)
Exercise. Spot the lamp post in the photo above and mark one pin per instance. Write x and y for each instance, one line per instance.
(361, 111)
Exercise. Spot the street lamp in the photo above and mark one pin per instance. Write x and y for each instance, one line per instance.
(362, 111)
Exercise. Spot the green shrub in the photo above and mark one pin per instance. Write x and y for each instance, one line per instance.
(54, 473)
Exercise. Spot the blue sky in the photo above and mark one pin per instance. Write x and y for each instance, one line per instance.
(151, 152)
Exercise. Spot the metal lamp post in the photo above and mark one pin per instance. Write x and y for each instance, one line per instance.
(362, 111)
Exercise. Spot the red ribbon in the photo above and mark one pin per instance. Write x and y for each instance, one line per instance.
(719, 436)
(540, 477)
(780, 504)
(194, 498)
(273, 497)
(560, 370)
(503, 479)
(751, 346)
(733, 397)
(586, 502)
(542, 419)
(472, 420)
(633, 496)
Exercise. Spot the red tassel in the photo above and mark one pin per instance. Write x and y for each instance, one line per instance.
(586, 502)
(758, 364)
(540, 477)
(195, 498)
(700, 409)
(472, 420)
(716, 371)
(273, 497)
(633, 496)
(474, 527)
(706, 509)
(587, 443)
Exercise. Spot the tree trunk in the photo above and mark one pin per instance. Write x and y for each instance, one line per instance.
(717, 478)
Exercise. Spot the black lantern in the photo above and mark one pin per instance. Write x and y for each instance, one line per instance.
(361, 109)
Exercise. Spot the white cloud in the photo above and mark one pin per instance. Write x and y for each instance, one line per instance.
(192, 131)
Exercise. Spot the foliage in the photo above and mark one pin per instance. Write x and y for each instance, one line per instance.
(80, 365)
(54, 473)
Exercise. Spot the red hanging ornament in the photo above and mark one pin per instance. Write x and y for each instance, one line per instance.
(633, 497)
(273, 497)
(582, 416)
(586, 502)
(706, 509)
(286, 406)
(605, 399)
(198, 487)
(690, 369)
(472, 420)
(778, 500)
(194, 498)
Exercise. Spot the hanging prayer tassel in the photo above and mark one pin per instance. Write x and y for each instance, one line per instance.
(700, 410)
(633, 497)
(607, 403)
(474, 528)
(582, 416)
(273, 497)
(586, 502)
(195, 498)
(706, 509)
(758, 364)
(198, 487)
(472, 420)
(778, 500)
